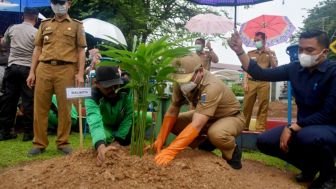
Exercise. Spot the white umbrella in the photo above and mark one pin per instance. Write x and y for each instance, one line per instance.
(104, 30)
(41, 16)
(209, 24)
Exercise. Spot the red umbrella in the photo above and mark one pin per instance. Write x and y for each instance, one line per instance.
(278, 29)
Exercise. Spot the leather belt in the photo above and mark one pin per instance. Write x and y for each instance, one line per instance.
(251, 79)
(56, 62)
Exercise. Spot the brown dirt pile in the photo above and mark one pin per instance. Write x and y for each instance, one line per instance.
(191, 169)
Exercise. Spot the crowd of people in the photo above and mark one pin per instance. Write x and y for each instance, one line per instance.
(44, 62)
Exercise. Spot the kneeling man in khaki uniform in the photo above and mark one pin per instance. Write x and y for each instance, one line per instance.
(214, 123)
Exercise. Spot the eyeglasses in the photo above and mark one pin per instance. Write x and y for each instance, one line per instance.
(58, 2)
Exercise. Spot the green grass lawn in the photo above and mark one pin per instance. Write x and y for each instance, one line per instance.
(14, 152)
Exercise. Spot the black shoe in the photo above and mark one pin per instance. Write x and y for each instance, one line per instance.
(27, 137)
(7, 136)
(235, 162)
(35, 151)
(324, 183)
(305, 177)
(66, 150)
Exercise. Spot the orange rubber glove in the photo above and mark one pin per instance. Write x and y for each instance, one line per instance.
(166, 127)
(181, 142)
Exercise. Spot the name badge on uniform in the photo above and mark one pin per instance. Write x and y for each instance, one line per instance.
(203, 98)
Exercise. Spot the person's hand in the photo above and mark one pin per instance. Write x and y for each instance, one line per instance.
(165, 157)
(235, 42)
(96, 59)
(246, 88)
(102, 149)
(208, 45)
(182, 140)
(286, 136)
(166, 127)
(31, 80)
(79, 80)
(284, 139)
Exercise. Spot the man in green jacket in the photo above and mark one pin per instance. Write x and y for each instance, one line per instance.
(109, 112)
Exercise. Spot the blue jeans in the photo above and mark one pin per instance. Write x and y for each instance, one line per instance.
(311, 150)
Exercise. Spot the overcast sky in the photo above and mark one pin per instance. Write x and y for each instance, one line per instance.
(295, 10)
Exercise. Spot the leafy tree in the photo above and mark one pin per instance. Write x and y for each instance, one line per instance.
(150, 19)
(321, 17)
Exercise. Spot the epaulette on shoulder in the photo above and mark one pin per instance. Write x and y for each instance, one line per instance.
(47, 19)
(252, 51)
(78, 21)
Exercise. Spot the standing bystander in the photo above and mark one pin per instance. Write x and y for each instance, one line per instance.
(206, 53)
(255, 89)
(20, 39)
(59, 47)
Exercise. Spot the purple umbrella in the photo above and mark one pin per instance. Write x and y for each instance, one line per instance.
(234, 3)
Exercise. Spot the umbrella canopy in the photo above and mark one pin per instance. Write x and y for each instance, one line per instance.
(234, 3)
(209, 24)
(19, 5)
(278, 29)
(104, 30)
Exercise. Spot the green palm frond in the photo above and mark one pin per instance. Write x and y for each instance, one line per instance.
(149, 67)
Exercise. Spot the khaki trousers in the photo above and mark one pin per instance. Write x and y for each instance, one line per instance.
(52, 79)
(257, 90)
(221, 132)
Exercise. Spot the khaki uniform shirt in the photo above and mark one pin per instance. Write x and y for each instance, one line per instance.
(212, 98)
(262, 58)
(60, 40)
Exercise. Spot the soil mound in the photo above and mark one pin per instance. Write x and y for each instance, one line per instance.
(191, 169)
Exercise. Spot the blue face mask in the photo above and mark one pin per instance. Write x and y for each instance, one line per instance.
(198, 48)
(258, 44)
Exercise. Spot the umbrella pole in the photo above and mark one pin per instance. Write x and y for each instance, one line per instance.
(235, 17)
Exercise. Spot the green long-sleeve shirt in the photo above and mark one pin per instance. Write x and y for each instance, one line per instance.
(107, 121)
(53, 118)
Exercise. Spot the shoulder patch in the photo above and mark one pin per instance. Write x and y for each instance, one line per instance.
(252, 51)
(78, 21)
(47, 19)
(203, 98)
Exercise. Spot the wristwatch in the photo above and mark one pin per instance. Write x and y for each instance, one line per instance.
(291, 129)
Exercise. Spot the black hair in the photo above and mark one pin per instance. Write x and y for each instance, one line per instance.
(30, 13)
(262, 34)
(202, 41)
(321, 36)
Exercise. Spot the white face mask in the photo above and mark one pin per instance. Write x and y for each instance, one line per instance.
(308, 61)
(59, 9)
(188, 87)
